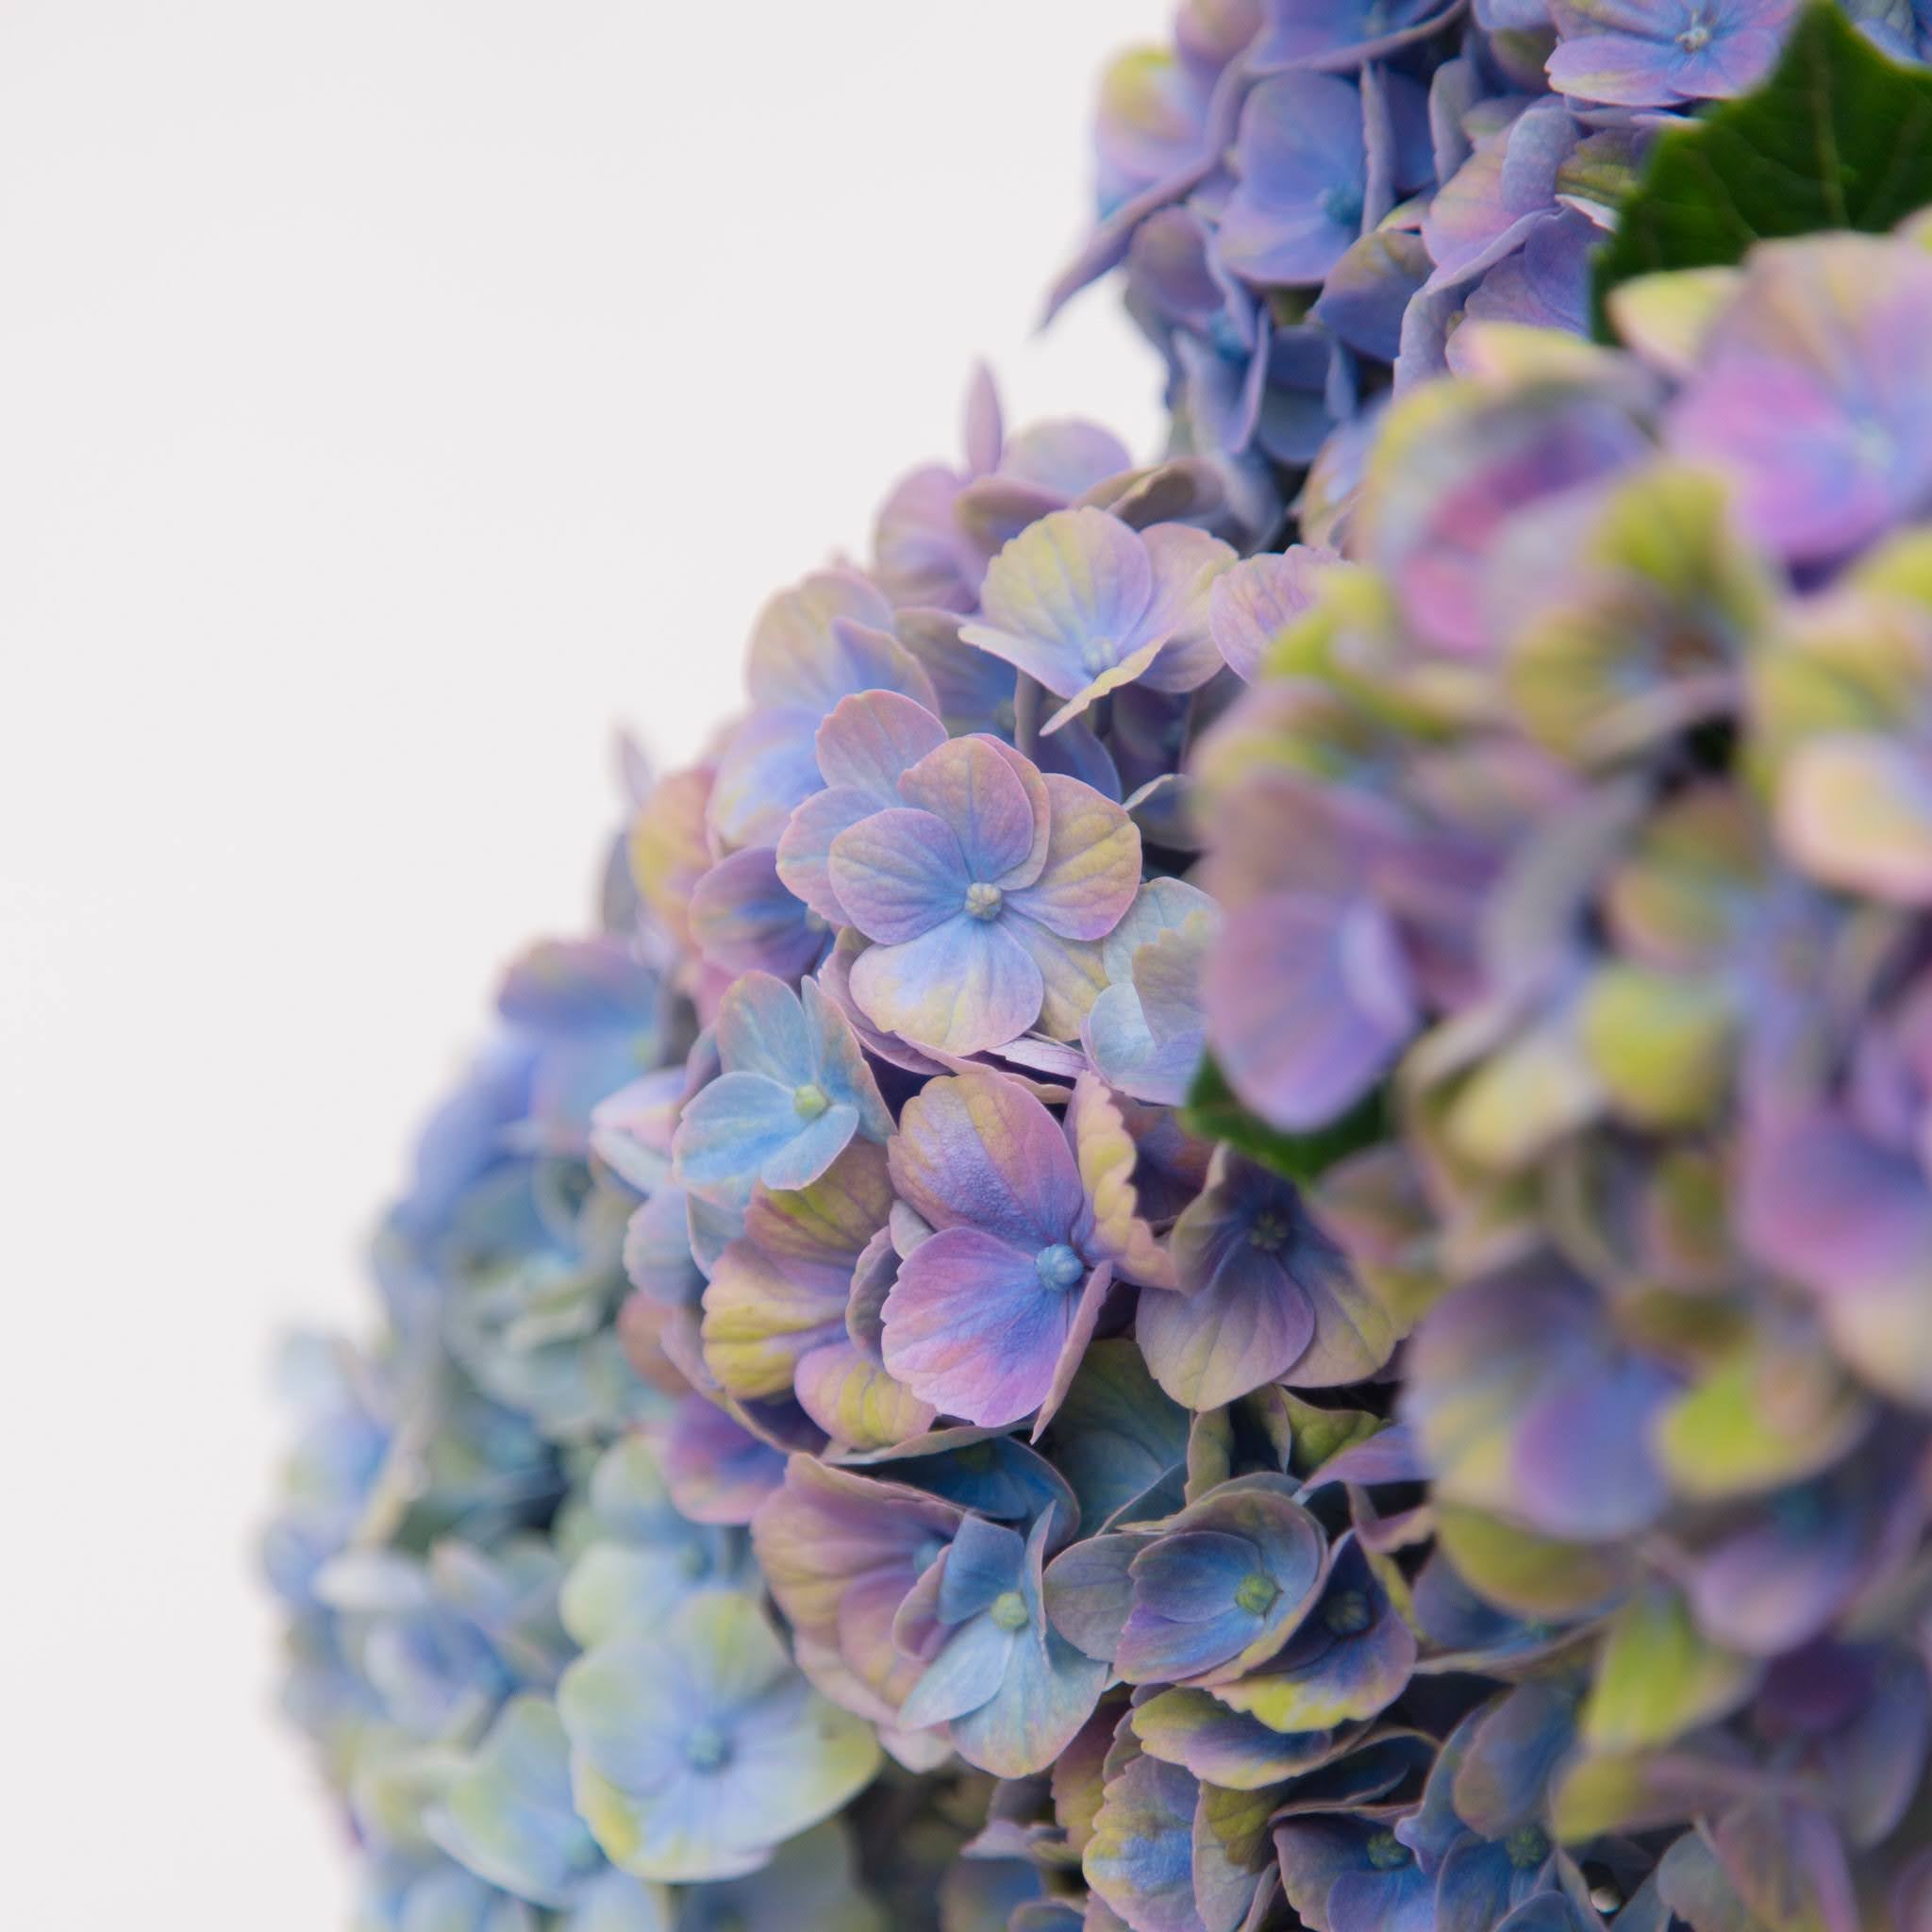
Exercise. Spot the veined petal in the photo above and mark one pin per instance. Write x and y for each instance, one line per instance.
(898, 873)
(978, 1149)
(973, 789)
(1092, 867)
(964, 987)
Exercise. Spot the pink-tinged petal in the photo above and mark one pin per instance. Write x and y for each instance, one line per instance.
(1034, 782)
(872, 739)
(1186, 565)
(1061, 598)
(973, 789)
(1130, 670)
(965, 987)
(744, 919)
(761, 1320)
(1106, 1155)
(971, 1327)
(1854, 811)
(1484, 210)
(716, 1470)
(898, 873)
(854, 1399)
(805, 848)
(1308, 1003)
(979, 1151)
(816, 1234)
(1252, 605)
(1092, 866)
(873, 1275)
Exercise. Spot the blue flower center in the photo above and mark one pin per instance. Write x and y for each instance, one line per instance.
(1010, 1610)
(1058, 1267)
(1526, 1846)
(1386, 1851)
(1347, 1613)
(1255, 1593)
(1342, 205)
(1098, 654)
(707, 1748)
(982, 902)
(809, 1101)
(1268, 1233)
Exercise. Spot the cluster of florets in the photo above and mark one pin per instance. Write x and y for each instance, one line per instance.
(871, 1426)
(1581, 824)
(1308, 198)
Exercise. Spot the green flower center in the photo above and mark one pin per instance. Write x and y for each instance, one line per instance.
(1347, 1614)
(1386, 1851)
(982, 902)
(1255, 1593)
(809, 1101)
(707, 1748)
(1268, 1233)
(1058, 1267)
(1010, 1610)
(1526, 1846)
(1098, 654)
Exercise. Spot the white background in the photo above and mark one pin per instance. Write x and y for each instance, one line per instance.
(395, 396)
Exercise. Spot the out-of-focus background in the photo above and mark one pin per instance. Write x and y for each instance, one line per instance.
(396, 396)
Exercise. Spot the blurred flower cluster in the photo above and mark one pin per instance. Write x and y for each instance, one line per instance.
(1306, 198)
(1580, 824)
(1219, 1241)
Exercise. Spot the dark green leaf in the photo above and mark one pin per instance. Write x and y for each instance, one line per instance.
(1837, 137)
(1214, 1113)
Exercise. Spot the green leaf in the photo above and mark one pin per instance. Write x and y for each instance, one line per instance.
(1214, 1113)
(1837, 137)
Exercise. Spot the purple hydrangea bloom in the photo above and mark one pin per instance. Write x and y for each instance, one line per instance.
(985, 893)
(988, 1318)
(1656, 53)
(1204, 1597)
(1085, 604)
(1262, 1293)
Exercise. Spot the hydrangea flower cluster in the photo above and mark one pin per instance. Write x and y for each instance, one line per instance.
(1306, 198)
(1224, 1239)
(1584, 816)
